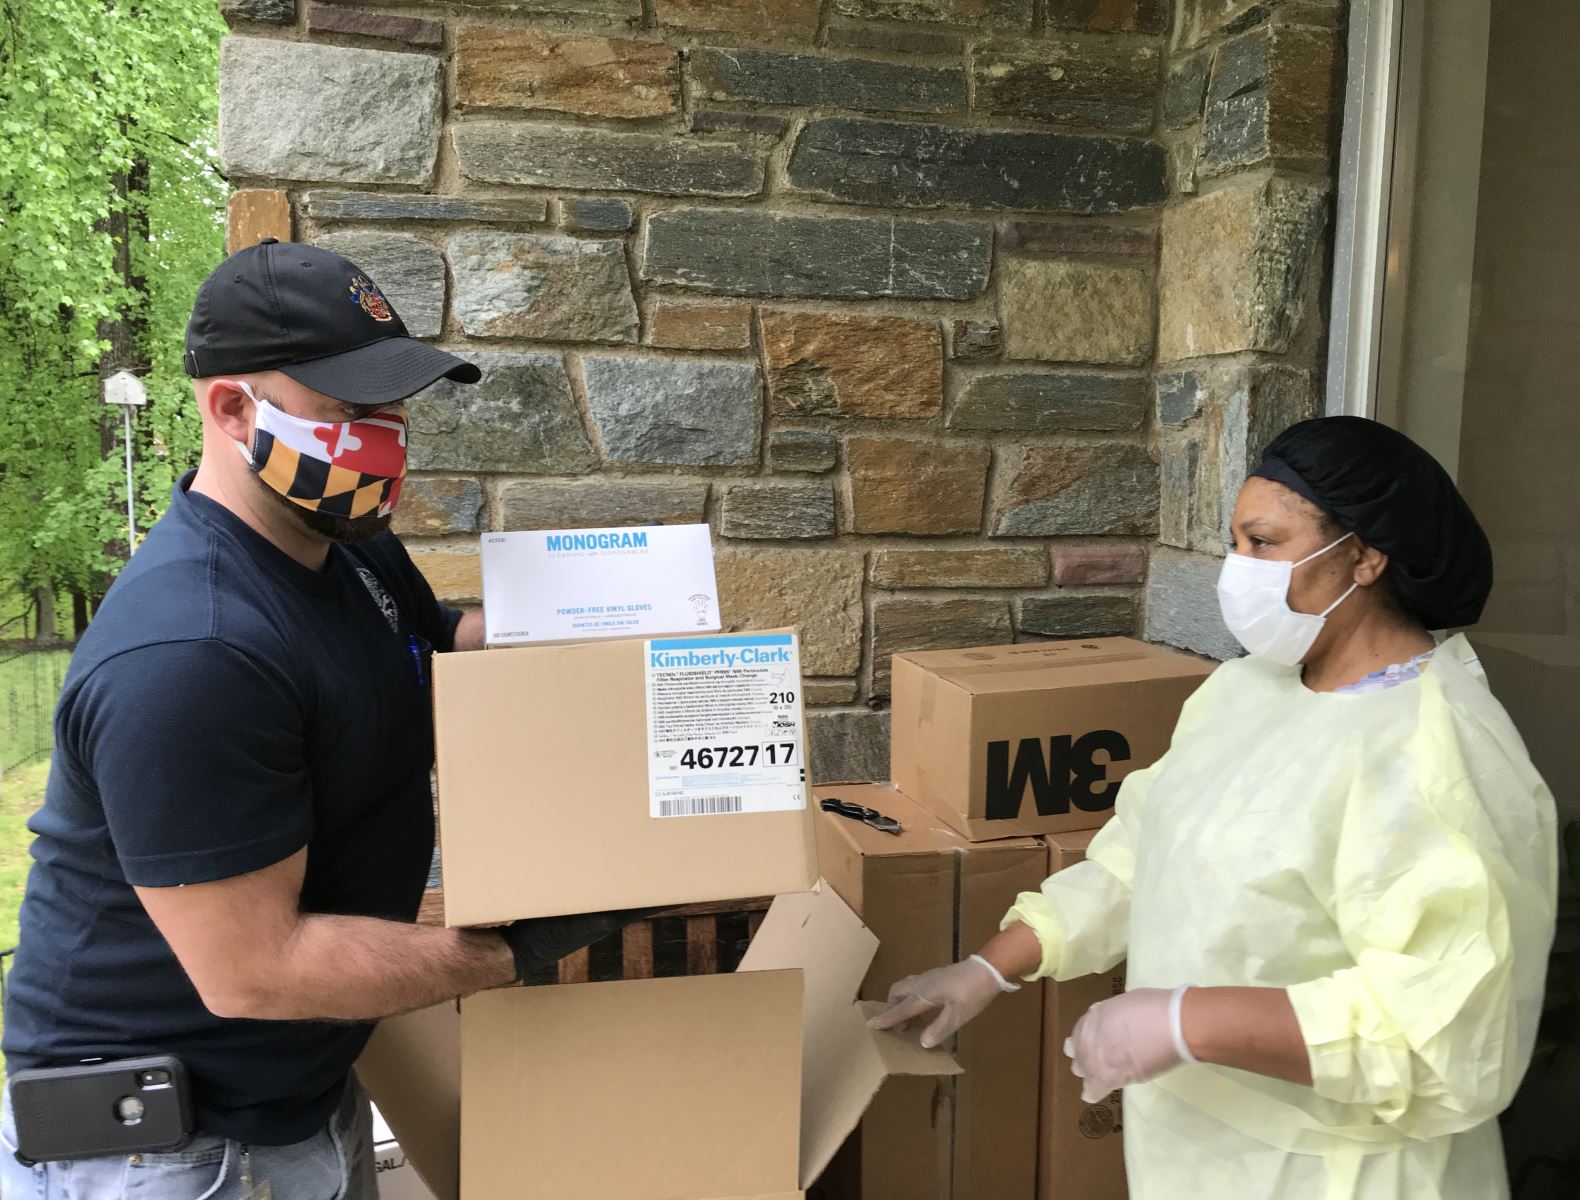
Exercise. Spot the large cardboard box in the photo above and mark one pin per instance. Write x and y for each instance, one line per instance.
(1080, 1147)
(621, 774)
(397, 1178)
(1007, 741)
(577, 585)
(714, 1087)
(931, 897)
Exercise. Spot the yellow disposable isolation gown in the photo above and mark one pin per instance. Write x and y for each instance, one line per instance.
(1389, 858)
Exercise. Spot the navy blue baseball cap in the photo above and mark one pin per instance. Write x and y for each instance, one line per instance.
(317, 317)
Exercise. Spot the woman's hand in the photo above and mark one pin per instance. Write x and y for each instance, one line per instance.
(956, 993)
(1138, 1036)
(1129, 1039)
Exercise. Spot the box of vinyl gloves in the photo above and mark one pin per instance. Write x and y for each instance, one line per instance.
(711, 1087)
(626, 773)
(576, 585)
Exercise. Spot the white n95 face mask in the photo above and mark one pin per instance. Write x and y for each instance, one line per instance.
(1253, 594)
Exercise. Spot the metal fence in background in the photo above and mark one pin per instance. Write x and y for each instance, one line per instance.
(30, 683)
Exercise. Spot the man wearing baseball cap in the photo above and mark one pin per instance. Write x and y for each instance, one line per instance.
(238, 825)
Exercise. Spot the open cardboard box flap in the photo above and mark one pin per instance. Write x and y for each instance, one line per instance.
(412, 1064)
(843, 1062)
(649, 1089)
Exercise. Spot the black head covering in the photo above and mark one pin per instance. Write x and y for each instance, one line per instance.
(1393, 495)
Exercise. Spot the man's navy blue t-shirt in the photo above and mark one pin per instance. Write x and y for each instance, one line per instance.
(226, 708)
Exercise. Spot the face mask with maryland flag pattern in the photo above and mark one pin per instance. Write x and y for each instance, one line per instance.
(339, 468)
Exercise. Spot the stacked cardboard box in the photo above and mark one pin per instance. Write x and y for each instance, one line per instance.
(930, 896)
(621, 774)
(717, 1087)
(1006, 761)
(1080, 1144)
(1005, 741)
(612, 750)
(636, 770)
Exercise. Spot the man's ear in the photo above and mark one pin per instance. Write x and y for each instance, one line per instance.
(225, 404)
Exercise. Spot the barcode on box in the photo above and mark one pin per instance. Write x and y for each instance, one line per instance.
(699, 806)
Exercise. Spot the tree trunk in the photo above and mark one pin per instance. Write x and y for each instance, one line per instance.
(127, 222)
(79, 614)
(44, 598)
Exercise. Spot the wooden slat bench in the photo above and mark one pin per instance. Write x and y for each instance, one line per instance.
(697, 939)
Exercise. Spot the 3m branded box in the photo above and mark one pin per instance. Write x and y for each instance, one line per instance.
(1004, 741)
(1080, 1149)
(574, 585)
(621, 774)
(713, 1087)
(931, 897)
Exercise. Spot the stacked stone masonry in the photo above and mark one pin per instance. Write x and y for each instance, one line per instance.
(943, 313)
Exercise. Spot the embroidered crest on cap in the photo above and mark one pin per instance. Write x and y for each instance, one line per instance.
(369, 297)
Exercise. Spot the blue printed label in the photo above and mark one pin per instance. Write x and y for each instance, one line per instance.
(724, 725)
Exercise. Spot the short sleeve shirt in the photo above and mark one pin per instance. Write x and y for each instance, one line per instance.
(226, 708)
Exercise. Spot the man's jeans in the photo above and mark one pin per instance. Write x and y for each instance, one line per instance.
(334, 1164)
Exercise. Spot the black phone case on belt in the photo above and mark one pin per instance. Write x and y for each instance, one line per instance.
(128, 1106)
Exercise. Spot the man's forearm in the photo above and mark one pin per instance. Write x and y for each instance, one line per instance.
(359, 969)
(469, 633)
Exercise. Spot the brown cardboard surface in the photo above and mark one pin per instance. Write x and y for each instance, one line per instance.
(1537, 678)
(844, 1062)
(543, 795)
(412, 1064)
(1080, 1146)
(1066, 720)
(648, 1089)
(995, 1107)
(544, 1060)
(901, 1148)
(906, 883)
(931, 896)
(995, 668)
(1067, 849)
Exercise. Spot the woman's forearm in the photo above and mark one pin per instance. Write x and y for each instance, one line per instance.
(1015, 952)
(1248, 1028)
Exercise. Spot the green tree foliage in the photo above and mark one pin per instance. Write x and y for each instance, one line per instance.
(111, 213)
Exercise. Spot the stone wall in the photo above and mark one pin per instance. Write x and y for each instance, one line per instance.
(878, 288)
(1250, 114)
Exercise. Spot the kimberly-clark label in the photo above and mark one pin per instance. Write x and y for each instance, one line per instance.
(724, 725)
(583, 584)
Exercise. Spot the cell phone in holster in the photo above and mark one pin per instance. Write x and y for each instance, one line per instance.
(125, 1106)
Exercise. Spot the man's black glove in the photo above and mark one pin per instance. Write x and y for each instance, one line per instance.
(539, 941)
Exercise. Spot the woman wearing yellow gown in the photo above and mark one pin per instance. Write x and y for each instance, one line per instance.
(1336, 891)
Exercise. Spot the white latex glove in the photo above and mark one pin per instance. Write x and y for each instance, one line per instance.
(958, 992)
(1129, 1039)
